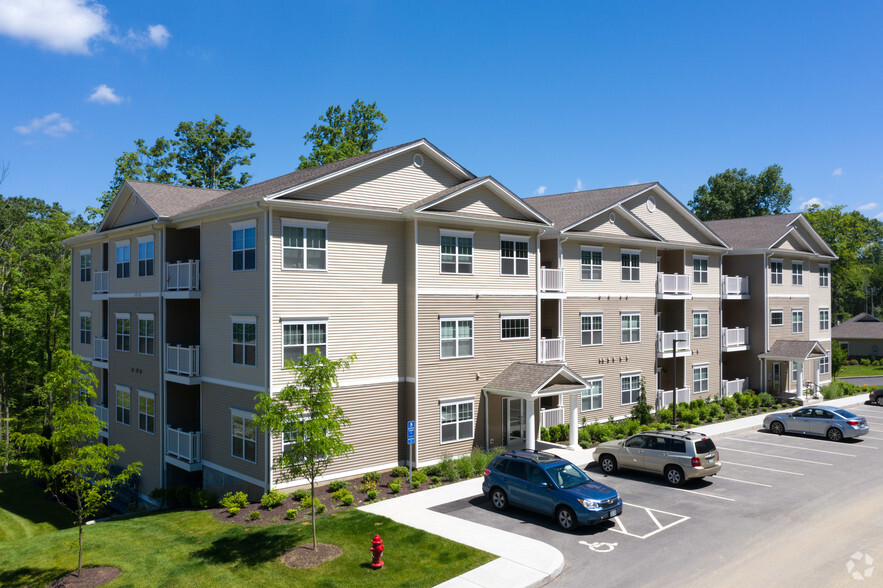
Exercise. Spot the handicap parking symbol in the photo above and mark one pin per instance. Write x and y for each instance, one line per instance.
(600, 547)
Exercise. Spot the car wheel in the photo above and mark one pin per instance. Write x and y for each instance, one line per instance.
(674, 475)
(777, 427)
(834, 434)
(608, 464)
(880, 400)
(566, 518)
(499, 499)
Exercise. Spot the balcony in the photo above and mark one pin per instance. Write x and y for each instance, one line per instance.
(101, 412)
(551, 417)
(184, 449)
(182, 364)
(730, 387)
(99, 359)
(734, 339)
(182, 279)
(667, 340)
(663, 397)
(734, 288)
(100, 281)
(673, 286)
(551, 280)
(551, 350)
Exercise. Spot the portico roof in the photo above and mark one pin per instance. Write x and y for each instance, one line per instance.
(785, 350)
(534, 380)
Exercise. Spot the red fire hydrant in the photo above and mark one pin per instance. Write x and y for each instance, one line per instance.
(377, 552)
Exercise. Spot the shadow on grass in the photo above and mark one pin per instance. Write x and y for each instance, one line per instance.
(250, 549)
(28, 576)
(22, 497)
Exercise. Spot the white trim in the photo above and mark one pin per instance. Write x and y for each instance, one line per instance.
(456, 403)
(250, 319)
(456, 339)
(707, 367)
(514, 239)
(693, 268)
(787, 295)
(795, 274)
(303, 224)
(611, 295)
(623, 313)
(244, 224)
(336, 475)
(133, 294)
(456, 233)
(593, 314)
(474, 293)
(233, 384)
(770, 319)
(591, 249)
(234, 473)
(586, 389)
(503, 317)
(152, 396)
(827, 266)
(244, 415)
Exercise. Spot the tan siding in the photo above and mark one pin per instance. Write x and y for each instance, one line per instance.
(217, 445)
(134, 283)
(480, 201)
(669, 221)
(618, 228)
(611, 269)
(132, 211)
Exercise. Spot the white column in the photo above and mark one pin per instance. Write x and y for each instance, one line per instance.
(574, 419)
(530, 440)
(816, 376)
(799, 379)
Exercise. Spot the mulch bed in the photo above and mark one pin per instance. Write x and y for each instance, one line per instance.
(304, 556)
(90, 578)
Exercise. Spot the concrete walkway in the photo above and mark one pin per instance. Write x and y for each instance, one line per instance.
(522, 561)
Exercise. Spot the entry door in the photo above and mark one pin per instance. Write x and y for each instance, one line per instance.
(514, 410)
(776, 376)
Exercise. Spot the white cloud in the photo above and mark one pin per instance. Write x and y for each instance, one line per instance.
(837, 172)
(812, 201)
(159, 35)
(154, 36)
(66, 26)
(104, 94)
(579, 185)
(53, 125)
(867, 207)
(539, 191)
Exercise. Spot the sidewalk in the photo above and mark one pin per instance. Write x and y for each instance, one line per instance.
(522, 561)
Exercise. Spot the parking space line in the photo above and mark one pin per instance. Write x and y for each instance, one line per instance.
(790, 446)
(704, 494)
(776, 456)
(745, 465)
(743, 481)
(659, 526)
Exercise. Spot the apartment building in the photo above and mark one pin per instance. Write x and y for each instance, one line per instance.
(476, 314)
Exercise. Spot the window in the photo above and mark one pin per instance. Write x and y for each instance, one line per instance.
(824, 319)
(244, 246)
(797, 321)
(124, 399)
(122, 332)
(777, 318)
(631, 388)
(145, 334)
(123, 260)
(700, 270)
(146, 411)
(631, 266)
(513, 256)
(456, 420)
(794, 375)
(86, 265)
(592, 328)
(514, 327)
(145, 256)
(243, 435)
(244, 341)
(797, 273)
(824, 276)
(456, 337)
(700, 324)
(631, 328)
(302, 338)
(700, 379)
(591, 263)
(86, 328)
(304, 245)
(775, 271)
(456, 253)
(825, 365)
(590, 398)
(292, 438)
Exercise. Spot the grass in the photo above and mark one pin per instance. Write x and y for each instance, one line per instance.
(25, 511)
(852, 371)
(192, 548)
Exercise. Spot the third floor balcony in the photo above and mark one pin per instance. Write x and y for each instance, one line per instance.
(551, 349)
(734, 287)
(100, 283)
(734, 339)
(182, 279)
(672, 344)
(672, 286)
(551, 280)
(101, 350)
(182, 364)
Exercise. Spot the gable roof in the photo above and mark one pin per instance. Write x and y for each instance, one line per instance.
(765, 232)
(489, 182)
(787, 350)
(861, 326)
(535, 379)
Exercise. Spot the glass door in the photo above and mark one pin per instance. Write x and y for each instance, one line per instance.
(514, 410)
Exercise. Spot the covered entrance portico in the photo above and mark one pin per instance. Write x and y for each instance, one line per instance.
(524, 389)
(783, 367)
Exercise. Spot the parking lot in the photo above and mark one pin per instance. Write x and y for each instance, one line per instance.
(787, 510)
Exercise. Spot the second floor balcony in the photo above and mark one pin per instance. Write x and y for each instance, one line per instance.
(182, 364)
(734, 339)
(734, 287)
(185, 448)
(673, 286)
(102, 413)
(551, 280)
(664, 397)
(551, 349)
(182, 279)
(672, 344)
(100, 282)
(730, 387)
(101, 350)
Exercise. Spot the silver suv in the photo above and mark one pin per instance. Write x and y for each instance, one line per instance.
(677, 455)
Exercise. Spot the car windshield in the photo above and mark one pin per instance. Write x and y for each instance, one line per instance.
(704, 446)
(845, 413)
(568, 475)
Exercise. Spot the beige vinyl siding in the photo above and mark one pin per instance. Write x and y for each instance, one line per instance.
(611, 269)
(134, 284)
(620, 227)
(130, 211)
(819, 297)
(713, 286)
(671, 222)
(482, 202)
(81, 301)
(217, 428)
(786, 288)
(707, 350)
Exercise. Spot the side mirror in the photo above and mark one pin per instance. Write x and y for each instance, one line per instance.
(544, 485)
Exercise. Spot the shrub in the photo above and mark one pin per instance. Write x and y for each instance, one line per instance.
(399, 472)
(204, 499)
(664, 415)
(715, 412)
(865, 361)
(369, 486)
(688, 415)
(239, 499)
(233, 510)
(436, 480)
(395, 486)
(766, 400)
(343, 496)
(254, 515)
(433, 470)
(371, 477)
(729, 404)
(299, 494)
(464, 468)
(545, 435)
(272, 499)
(336, 485)
(372, 494)
(641, 411)
(291, 514)
(305, 503)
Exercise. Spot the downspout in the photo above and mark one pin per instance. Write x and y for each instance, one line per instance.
(163, 392)
(269, 362)
(487, 435)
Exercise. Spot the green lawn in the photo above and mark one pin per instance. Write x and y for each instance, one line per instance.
(25, 510)
(852, 371)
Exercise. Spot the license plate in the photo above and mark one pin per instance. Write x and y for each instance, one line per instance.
(711, 459)
(612, 513)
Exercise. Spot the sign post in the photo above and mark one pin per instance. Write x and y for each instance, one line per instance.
(412, 433)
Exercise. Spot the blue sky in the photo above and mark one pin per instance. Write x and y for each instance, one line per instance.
(545, 97)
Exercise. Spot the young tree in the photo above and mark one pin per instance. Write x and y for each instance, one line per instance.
(72, 460)
(735, 193)
(344, 134)
(305, 413)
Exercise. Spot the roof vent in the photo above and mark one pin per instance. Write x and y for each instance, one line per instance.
(612, 217)
(651, 203)
(418, 160)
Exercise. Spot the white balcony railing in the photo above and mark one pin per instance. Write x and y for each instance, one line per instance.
(183, 445)
(663, 397)
(551, 280)
(182, 360)
(731, 338)
(101, 349)
(734, 285)
(551, 350)
(551, 417)
(100, 280)
(102, 413)
(730, 387)
(667, 340)
(672, 284)
(183, 275)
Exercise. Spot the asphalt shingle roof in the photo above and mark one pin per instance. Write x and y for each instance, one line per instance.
(529, 378)
(167, 200)
(753, 232)
(565, 209)
(796, 350)
(861, 326)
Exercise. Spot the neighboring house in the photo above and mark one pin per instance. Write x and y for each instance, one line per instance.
(474, 313)
(861, 336)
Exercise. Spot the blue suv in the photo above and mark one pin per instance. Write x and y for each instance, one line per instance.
(550, 485)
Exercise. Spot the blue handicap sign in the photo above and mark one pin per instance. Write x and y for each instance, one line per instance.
(412, 429)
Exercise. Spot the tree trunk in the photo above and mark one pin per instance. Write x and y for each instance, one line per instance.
(313, 510)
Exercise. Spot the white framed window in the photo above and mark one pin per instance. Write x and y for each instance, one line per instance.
(630, 385)
(456, 337)
(123, 259)
(590, 263)
(243, 435)
(592, 397)
(514, 326)
(794, 374)
(124, 404)
(797, 273)
(304, 245)
(145, 334)
(796, 320)
(700, 269)
(302, 337)
(145, 256)
(630, 327)
(244, 340)
(700, 324)
(700, 378)
(291, 438)
(776, 271)
(122, 332)
(824, 319)
(592, 328)
(824, 275)
(777, 318)
(456, 252)
(514, 259)
(457, 420)
(244, 245)
(86, 328)
(825, 365)
(631, 265)
(86, 265)
(146, 411)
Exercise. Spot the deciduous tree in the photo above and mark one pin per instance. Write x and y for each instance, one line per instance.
(735, 193)
(343, 134)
